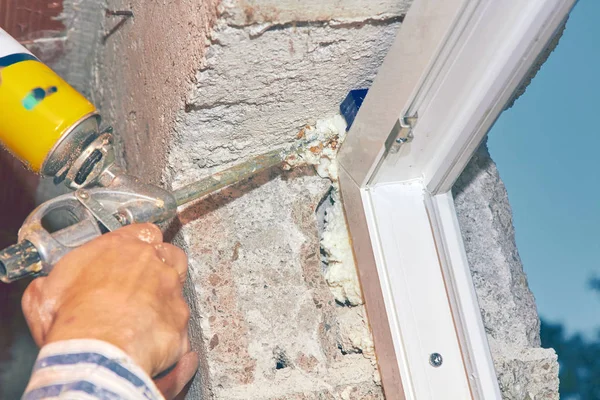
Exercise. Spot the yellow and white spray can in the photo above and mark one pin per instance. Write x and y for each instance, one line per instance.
(43, 120)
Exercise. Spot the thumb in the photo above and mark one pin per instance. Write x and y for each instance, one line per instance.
(175, 381)
(38, 313)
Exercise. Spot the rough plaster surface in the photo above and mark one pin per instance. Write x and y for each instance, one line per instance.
(269, 321)
(148, 66)
(246, 12)
(510, 317)
(258, 285)
(257, 89)
(146, 71)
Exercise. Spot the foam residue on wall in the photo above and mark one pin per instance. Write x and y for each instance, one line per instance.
(355, 334)
(323, 141)
(340, 269)
(320, 144)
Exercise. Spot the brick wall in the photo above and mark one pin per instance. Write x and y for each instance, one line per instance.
(31, 19)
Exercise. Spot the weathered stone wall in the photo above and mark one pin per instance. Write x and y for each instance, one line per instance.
(262, 82)
(270, 325)
(525, 371)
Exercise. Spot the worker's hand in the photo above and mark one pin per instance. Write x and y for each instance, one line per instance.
(124, 288)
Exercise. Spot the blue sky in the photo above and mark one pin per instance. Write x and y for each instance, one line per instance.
(547, 148)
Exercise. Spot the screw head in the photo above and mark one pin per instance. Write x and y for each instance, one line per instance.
(435, 359)
(83, 194)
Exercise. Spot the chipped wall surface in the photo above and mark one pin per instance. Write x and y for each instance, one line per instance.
(272, 327)
(525, 371)
(260, 85)
(250, 12)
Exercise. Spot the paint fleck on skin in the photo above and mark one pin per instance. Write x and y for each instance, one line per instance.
(159, 249)
(146, 235)
(46, 312)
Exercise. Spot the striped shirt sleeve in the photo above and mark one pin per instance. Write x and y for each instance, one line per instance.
(85, 369)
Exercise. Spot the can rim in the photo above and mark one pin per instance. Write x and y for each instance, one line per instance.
(66, 134)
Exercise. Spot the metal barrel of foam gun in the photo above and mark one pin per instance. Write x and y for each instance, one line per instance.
(103, 209)
(54, 130)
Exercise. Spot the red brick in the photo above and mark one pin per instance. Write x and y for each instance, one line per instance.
(31, 19)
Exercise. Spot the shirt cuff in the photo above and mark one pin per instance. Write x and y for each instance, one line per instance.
(88, 369)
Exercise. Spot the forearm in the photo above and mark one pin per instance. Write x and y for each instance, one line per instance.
(88, 369)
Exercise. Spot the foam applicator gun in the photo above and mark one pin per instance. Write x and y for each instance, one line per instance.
(119, 200)
(55, 131)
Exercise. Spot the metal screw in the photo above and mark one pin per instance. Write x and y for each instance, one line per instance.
(435, 359)
(82, 194)
(401, 140)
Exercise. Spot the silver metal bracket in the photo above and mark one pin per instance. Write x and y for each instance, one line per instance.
(404, 128)
(401, 133)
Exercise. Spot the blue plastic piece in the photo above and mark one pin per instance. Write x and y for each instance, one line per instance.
(351, 104)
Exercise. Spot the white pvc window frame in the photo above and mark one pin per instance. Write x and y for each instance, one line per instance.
(453, 67)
